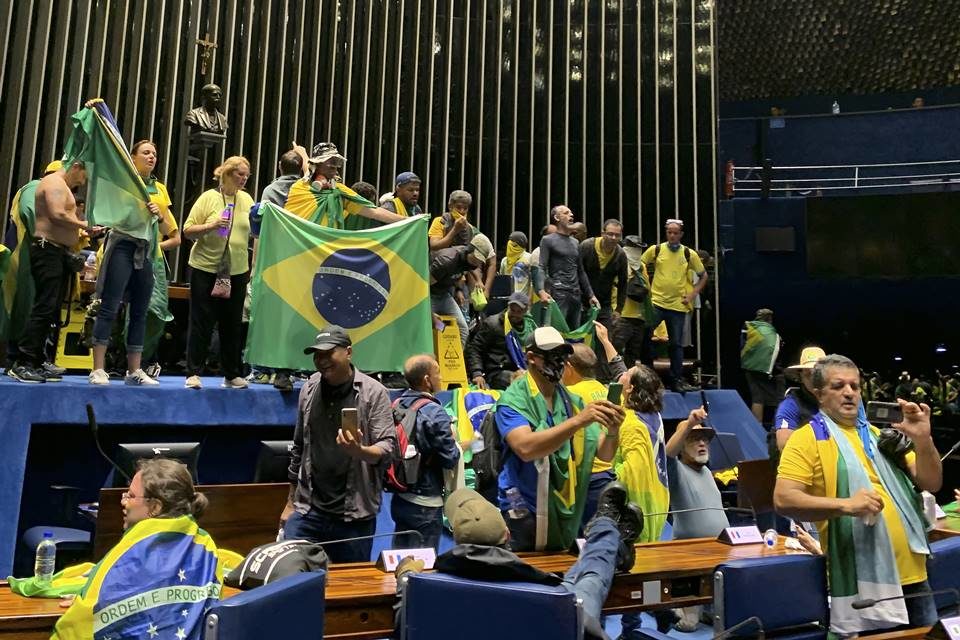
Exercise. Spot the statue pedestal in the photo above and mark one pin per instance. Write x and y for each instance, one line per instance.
(204, 151)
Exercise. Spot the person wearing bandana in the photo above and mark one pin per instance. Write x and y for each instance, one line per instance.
(518, 265)
(452, 228)
(551, 440)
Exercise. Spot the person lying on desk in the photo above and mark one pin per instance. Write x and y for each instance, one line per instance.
(480, 553)
(163, 574)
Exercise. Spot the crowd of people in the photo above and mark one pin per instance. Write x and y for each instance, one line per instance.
(577, 458)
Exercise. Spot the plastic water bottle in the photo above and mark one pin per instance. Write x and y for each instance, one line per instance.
(90, 268)
(46, 558)
(770, 538)
(226, 215)
(835, 108)
(477, 444)
(518, 508)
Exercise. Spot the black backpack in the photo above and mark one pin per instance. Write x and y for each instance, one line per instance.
(652, 267)
(637, 286)
(403, 472)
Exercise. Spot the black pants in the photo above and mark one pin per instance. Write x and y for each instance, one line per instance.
(630, 340)
(570, 306)
(207, 312)
(49, 268)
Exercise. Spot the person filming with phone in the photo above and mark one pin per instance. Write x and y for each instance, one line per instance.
(344, 440)
(857, 483)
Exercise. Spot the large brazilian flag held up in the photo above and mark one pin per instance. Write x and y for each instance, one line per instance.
(374, 283)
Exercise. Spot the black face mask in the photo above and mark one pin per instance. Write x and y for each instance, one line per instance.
(553, 363)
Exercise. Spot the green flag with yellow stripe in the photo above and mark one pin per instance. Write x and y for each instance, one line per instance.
(374, 283)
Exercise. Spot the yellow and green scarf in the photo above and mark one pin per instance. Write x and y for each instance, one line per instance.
(570, 465)
(16, 288)
(329, 204)
(514, 253)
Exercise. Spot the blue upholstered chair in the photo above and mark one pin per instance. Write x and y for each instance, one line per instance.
(943, 567)
(437, 605)
(787, 593)
(291, 607)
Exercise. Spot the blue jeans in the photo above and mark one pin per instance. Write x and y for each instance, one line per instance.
(443, 304)
(674, 321)
(592, 574)
(427, 520)
(320, 527)
(122, 276)
(921, 611)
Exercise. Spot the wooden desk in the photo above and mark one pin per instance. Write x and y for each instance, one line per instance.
(360, 598)
(946, 527)
(175, 291)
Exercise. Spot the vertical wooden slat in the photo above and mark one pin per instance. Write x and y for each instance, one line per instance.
(533, 93)
(346, 110)
(425, 193)
(331, 77)
(383, 79)
(129, 124)
(16, 174)
(225, 79)
(496, 139)
(396, 108)
(172, 121)
(466, 71)
(446, 104)
(478, 194)
(58, 62)
(366, 85)
(35, 95)
(153, 73)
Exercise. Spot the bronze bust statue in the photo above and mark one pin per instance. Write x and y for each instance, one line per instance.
(206, 118)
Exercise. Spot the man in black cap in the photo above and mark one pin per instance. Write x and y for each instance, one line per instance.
(495, 352)
(342, 445)
(406, 195)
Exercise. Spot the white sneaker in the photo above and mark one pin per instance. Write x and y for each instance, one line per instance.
(139, 377)
(234, 383)
(193, 382)
(98, 376)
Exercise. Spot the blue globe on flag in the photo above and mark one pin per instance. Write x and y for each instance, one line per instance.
(351, 287)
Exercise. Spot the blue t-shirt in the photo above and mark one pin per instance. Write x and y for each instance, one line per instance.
(516, 472)
(791, 412)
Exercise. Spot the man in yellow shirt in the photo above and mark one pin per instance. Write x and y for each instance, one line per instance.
(673, 293)
(452, 229)
(838, 472)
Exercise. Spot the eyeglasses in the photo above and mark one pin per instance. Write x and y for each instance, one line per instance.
(126, 495)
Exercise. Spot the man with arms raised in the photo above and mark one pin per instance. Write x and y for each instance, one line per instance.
(838, 472)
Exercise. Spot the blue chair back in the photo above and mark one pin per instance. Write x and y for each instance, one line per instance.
(787, 593)
(291, 607)
(437, 605)
(943, 567)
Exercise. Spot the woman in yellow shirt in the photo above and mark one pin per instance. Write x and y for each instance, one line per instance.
(128, 270)
(220, 245)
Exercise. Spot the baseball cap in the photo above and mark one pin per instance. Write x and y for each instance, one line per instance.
(808, 358)
(405, 177)
(547, 339)
(474, 519)
(520, 299)
(482, 247)
(633, 241)
(329, 337)
(324, 151)
(56, 165)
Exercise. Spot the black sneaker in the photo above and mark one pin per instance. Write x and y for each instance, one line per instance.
(23, 373)
(51, 372)
(684, 387)
(631, 523)
(283, 382)
(611, 501)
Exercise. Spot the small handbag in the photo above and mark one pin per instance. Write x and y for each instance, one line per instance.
(221, 286)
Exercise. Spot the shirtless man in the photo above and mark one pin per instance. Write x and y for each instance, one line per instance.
(56, 232)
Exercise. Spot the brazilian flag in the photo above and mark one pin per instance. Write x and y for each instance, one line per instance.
(16, 288)
(157, 582)
(116, 195)
(372, 282)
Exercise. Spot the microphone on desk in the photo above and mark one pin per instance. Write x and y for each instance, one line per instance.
(675, 511)
(376, 535)
(752, 620)
(92, 421)
(869, 602)
(951, 452)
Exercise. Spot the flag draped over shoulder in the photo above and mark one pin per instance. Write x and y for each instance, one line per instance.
(373, 283)
(760, 346)
(16, 288)
(330, 204)
(156, 582)
(116, 195)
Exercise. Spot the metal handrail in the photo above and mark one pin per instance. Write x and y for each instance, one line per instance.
(852, 166)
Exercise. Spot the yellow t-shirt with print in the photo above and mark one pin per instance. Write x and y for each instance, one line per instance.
(800, 462)
(208, 248)
(671, 280)
(591, 391)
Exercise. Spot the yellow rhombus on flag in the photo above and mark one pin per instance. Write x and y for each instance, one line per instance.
(374, 283)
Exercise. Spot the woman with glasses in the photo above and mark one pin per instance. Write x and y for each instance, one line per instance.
(161, 489)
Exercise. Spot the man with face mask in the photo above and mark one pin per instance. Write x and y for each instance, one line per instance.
(673, 293)
(551, 440)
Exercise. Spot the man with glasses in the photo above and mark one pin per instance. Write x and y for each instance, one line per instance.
(322, 199)
(605, 264)
(673, 292)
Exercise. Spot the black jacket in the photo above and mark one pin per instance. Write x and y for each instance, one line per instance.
(487, 348)
(602, 279)
(494, 564)
(446, 267)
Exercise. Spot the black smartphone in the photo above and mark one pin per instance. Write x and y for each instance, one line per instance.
(614, 392)
(884, 413)
(704, 402)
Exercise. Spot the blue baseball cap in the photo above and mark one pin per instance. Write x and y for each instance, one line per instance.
(405, 177)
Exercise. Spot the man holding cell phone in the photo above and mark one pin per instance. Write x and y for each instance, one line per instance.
(342, 445)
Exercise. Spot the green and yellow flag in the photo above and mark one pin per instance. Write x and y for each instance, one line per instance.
(116, 196)
(374, 283)
(16, 289)
(552, 317)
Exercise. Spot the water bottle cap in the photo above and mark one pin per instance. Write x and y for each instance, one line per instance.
(48, 534)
